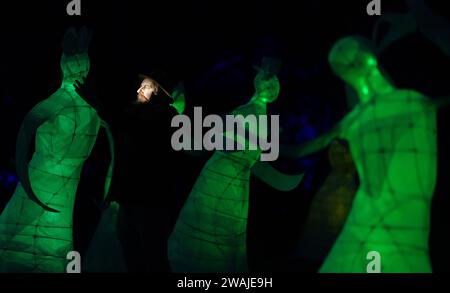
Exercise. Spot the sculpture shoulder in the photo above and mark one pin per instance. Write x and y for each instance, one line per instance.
(408, 95)
(60, 100)
(59, 123)
(65, 113)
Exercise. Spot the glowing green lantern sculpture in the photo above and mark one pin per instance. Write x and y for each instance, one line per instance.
(36, 225)
(392, 138)
(210, 234)
(330, 206)
(179, 98)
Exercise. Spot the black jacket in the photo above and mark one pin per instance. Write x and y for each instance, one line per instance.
(145, 159)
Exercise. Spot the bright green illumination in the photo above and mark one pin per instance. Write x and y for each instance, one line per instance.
(392, 137)
(33, 237)
(371, 61)
(210, 234)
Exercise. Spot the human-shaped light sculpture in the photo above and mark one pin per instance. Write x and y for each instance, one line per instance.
(392, 138)
(331, 204)
(210, 233)
(36, 225)
(179, 98)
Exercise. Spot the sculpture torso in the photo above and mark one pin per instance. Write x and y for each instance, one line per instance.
(393, 143)
(32, 239)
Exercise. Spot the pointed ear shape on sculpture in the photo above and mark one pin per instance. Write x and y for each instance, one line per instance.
(84, 39)
(274, 178)
(26, 136)
(76, 42)
(69, 42)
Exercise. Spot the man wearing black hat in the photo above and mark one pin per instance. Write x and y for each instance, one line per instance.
(142, 181)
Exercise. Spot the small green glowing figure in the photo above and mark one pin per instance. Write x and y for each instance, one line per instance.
(36, 225)
(330, 206)
(392, 138)
(210, 234)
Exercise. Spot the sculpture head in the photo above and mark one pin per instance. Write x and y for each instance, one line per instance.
(74, 62)
(266, 88)
(353, 61)
(74, 67)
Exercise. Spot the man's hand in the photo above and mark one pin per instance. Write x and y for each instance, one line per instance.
(179, 98)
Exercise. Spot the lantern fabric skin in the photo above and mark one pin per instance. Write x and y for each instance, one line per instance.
(33, 239)
(210, 234)
(392, 139)
(397, 169)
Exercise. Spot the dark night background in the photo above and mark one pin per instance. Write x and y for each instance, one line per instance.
(212, 46)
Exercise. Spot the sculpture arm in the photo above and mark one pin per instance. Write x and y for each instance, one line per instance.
(276, 179)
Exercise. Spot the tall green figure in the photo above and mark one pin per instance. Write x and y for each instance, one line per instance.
(392, 138)
(210, 234)
(36, 225)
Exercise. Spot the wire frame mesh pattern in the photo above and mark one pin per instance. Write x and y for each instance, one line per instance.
(392, 138)
(211, 231)
(33, 239)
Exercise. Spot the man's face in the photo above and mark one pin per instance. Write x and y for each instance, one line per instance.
(146, 90)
